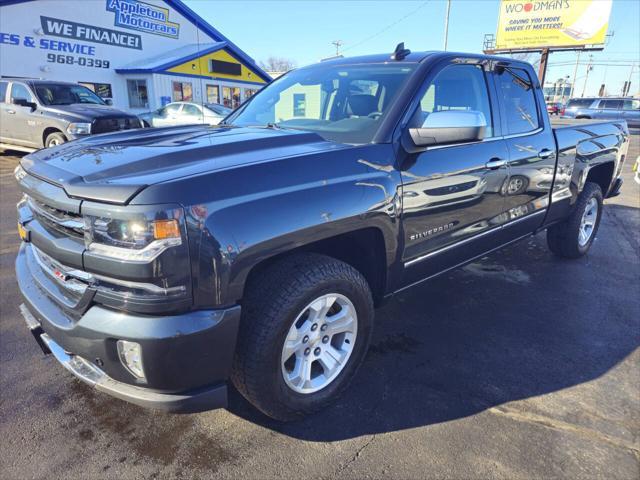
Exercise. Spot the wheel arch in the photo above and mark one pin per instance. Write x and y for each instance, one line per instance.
(48, 131)
(602, 175)
(363, 249)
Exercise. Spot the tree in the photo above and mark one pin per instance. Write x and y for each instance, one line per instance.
(278, 64)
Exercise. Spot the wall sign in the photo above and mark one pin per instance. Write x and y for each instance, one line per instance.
(143, 17)
(89, 33)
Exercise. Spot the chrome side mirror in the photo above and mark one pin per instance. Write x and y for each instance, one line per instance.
(447, 127)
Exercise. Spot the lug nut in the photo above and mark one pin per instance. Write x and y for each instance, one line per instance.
(317, 351)
(324, 327)
(305, 339)
(314, 327)
(325, 339)
(307, 351)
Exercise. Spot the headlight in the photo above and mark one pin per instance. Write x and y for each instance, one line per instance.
(79, 128)
(140, 237)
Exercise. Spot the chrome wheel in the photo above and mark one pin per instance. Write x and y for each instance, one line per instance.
(319, 343)
(54, 141)
(588, 222)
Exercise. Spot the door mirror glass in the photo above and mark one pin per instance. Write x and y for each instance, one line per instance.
(448, 127)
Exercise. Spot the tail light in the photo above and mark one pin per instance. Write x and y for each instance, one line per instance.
(562, 110)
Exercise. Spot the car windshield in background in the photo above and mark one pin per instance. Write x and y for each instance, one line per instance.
(343, 103)
(219, 109)
(60, 94)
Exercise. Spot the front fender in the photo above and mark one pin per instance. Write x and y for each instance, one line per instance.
(263, 210)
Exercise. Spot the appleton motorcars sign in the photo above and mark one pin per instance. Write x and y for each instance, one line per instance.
(553, 23)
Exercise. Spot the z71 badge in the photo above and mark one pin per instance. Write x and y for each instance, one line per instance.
(432, 231)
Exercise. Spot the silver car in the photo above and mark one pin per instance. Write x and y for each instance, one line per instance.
(609, 108)
(185, 113)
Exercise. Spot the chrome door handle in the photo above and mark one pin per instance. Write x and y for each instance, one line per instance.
(495, 163)
(11, 112)
(545, 153)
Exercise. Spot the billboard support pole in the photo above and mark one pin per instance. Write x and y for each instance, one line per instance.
(542, 71)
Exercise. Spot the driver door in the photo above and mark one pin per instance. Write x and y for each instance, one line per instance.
(453, 195)
(22, 127)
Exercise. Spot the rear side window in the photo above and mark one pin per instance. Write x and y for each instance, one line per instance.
(611, 104)
(457, 87)
(518, 100)
(3, 91)
(631, 105)
(580, 103)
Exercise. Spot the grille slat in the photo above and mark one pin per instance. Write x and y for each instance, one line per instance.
(105, 125)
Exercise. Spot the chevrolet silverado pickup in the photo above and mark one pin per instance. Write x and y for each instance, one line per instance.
(162, 265)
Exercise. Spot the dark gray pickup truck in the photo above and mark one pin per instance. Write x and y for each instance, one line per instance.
(44, 113)
(159, 265)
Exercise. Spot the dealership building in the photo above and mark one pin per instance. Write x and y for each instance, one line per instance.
(141, 55)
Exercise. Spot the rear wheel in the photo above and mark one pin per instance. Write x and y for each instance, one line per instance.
(305, 330)
(53, 139)
(573, 237)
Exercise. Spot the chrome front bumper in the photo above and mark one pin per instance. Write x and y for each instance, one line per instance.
(204, 399)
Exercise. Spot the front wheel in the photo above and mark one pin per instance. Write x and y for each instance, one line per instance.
(573, 237)
(305, 330)
(53, 139)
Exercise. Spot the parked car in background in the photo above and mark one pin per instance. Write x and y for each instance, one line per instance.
(554, 108)
(610, 108)
(185, 113)
(43, 113)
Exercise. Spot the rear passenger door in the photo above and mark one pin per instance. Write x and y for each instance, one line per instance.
(532, 149)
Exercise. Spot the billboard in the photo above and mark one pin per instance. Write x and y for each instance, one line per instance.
(552, 23)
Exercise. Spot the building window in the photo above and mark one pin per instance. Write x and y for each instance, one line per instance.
(299, 104)
(213, 94)
(249, 92)
(138, 95)
(226, 68)
(182, 92)
(103, 90)
(231, 97)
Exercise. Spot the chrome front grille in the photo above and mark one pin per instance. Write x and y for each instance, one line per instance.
(60, 220)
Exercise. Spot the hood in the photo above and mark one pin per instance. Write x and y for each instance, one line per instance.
(87, 112)
(114, 167)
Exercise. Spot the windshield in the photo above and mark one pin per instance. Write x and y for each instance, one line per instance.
(344, 103)
(61, 94)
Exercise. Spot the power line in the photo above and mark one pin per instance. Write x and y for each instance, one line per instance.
(388, 27)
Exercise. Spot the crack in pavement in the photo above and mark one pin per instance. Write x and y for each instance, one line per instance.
(354, 457)
(548, 422)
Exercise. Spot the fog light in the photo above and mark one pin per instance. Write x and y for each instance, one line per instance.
(130, 354)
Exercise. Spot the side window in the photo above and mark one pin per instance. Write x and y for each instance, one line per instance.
(3, 91)
(518, 100)
(457, 87)
(173, 108)
(628, 104)
(188, 109)
(611, 104)
(20, 91)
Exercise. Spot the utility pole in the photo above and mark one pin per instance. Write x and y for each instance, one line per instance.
(627, 88)
(575, 72)
(589, 68)
(446, 25)
(337, 44)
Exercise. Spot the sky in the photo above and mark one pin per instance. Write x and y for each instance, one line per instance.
(302, 30)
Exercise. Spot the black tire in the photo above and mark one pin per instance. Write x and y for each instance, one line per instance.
(273, 301)
(55, 138)
(563, 238)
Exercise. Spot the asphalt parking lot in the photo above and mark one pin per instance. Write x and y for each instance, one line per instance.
(517, 366)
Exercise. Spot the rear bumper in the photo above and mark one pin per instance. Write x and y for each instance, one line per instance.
(187, 357)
